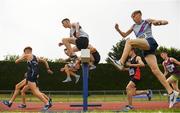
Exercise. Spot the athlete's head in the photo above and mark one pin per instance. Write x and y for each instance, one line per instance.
(164, 55)
(66, 23)
(132, 52)
(27, 50)
(137, 16)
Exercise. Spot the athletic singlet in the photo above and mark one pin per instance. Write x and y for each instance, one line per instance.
(33, 69)
(134, 71)
(82, 33)
(143, 30)
(171, 67)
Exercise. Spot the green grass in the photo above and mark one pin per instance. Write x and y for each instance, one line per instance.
(78, 98)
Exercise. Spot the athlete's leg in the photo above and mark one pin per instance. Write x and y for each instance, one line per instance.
(75, 75)
(75, 49)
(17, 90)
(152, 62)
(23, 94)
(134, 43)
(66, 69)
(67, 43)
(174, 82)
(131, 91)
(37, 93)
(140, 92)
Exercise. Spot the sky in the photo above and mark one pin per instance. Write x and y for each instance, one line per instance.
(37, 23)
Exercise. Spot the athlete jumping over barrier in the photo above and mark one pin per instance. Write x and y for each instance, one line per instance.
(145, 42)
(77, 37)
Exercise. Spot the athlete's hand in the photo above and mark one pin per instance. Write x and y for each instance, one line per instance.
(117, 27)
(62, 69)
(60, 44)
(49, 71)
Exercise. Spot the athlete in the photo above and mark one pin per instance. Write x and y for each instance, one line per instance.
(170, 66)
(77, 37)
(134, 63)
(146, 42)
(31, 80)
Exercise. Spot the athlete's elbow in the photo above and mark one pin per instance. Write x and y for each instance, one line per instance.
(16, 62)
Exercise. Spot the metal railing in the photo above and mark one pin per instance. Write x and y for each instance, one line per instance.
(94, 96)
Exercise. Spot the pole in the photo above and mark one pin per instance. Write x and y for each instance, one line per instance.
(85, 69)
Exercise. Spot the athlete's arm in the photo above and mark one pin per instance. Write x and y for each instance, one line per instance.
(46, 64)
(175, 61)
(76, 26)
(157, 22)
(123, 34)
(125, 69)
(22, 58)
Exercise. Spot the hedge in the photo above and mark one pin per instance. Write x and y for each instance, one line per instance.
(104, 77)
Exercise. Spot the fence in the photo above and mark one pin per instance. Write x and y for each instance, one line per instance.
(94, 96)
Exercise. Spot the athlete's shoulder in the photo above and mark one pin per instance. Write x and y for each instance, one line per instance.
(172, 59)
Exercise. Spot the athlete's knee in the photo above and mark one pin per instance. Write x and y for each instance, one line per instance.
(129, 42)
(128, 89)
(23, 93)
(64, 40)
(17, 87)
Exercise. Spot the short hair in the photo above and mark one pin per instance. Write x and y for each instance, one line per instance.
(136, 12)
(27, 48)
(66, 19)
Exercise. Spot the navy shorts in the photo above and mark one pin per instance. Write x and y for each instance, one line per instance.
(31, 78)
(153, 46)
(82, 43)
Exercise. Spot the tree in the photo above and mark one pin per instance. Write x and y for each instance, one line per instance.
(11, 58)
(172, 52)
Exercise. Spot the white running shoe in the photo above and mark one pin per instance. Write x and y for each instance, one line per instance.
(117, 63)
(172, 98)
(67, 80)
(128, 108)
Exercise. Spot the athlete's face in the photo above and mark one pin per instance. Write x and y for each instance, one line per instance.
(137, 17)
(163, 55)
(66, 24)
(27, 51)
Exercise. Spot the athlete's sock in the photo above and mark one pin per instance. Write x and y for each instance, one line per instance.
(76, 75)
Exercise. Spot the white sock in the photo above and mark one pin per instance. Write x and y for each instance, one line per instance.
(68, 78)
(76, 75)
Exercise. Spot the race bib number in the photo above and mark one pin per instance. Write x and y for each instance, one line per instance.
(131, 71)
(170, 68)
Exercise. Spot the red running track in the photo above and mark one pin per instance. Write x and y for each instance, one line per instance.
(110, 106)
